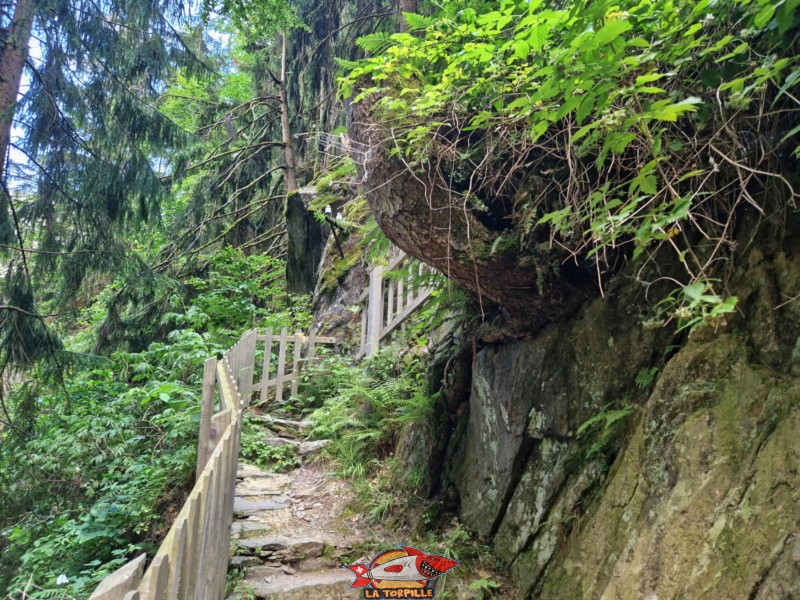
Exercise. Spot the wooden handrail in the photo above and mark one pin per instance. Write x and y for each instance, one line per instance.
(388, 302)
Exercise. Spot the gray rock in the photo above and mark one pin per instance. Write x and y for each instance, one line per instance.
(306, 448)
(245, 508)
(332, 584)
(237, 562)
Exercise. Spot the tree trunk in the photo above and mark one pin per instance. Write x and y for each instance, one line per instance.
(12, 63)
(420, 214)
(305, 236)
(290, 170)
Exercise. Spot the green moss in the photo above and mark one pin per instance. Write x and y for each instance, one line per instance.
(331, 276)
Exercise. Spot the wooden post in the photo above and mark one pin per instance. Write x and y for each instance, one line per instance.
(374, 311)
(280, 376)
(390, 304)
(400, 298)
(266, 368)
(154, 584)
(121, 581)
(190, 552)
(249, 360)
(206, 410)
(312, 347)
(363, 343)
(298, 348)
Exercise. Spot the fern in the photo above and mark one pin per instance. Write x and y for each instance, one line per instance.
(375, 43)
(417, 22)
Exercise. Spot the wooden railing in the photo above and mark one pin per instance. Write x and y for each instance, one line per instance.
(387, 302)
(298, 342)
(192, 561)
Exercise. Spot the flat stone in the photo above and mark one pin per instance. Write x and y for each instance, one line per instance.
(263, 543)
(306, 448)
(286, 548)
(248, 527)
(317, 563)
(332, 584)
(279, 441)
(246, 470)
(244, 508)
(287, 422)
(237, 562)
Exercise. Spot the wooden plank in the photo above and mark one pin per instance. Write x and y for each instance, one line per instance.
(321, 339)
(189, 559)
(280, 376)
(175, 551)
(251, 364)
(206, 410)
(395, 262)
(363, 343)
(219, 423)
(404, 315)
(374, 311)
(121, 581)
(298, 350)
(401, 299)
(266, 364)
(206, 521)
(154, 583)
(390, 304)
(211, 543)
(217, 591)
(311, 350)
(132, 595)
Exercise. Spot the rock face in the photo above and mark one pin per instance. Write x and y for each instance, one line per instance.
(696, 494)
(306, 239)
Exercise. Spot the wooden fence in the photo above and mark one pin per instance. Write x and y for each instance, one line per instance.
(192, 561)
(387, 302)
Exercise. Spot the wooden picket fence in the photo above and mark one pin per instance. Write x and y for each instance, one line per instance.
(388, 302)
(192, 561)
(276, 384)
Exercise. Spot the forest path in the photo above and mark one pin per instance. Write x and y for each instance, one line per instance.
(293, 531)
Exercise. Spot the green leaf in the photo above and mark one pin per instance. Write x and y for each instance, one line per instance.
(585, 107)
(611, 31)
(695, 290)
(671, 112)
(764, 16)
(643, 79)
(522, 48)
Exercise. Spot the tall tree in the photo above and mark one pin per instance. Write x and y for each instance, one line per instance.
(79, 138)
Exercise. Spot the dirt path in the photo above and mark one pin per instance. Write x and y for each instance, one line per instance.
(293, 531)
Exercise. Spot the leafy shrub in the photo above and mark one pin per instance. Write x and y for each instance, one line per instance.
(645, 118)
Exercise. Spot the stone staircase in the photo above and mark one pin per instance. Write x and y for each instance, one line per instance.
(292, 531)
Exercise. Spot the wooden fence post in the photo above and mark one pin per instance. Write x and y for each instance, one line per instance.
(299, 339)
(280, 375)
(206, 410)
(121, 581)
(266, 367)
(374, 310)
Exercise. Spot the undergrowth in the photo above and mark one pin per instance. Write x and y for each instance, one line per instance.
(91, 480)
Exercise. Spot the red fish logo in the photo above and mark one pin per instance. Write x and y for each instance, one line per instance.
(404, 568)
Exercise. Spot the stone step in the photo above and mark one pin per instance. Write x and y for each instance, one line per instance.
(245, 507)
(284, 549)
(270, 583)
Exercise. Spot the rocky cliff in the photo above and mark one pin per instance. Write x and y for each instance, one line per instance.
(685, 483)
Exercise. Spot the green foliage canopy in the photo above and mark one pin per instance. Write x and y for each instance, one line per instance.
(643, 115)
